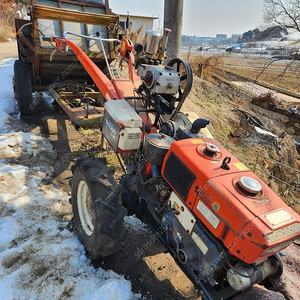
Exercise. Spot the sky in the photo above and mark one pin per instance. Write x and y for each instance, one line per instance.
(202, 17)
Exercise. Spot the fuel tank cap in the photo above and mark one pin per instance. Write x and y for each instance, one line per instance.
(250, 185)
(209, 150)
(212, 148)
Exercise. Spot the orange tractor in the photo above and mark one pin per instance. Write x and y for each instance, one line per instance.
(220, 222)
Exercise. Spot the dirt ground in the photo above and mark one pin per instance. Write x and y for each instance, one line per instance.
(8, 50)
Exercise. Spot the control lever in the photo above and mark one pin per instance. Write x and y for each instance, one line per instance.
(198, 125)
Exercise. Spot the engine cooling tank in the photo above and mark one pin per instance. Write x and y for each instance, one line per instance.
(151, 42)
(156, 147)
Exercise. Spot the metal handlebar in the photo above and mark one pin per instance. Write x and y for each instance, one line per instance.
(100, 41)
(50, 38)
(90, 37)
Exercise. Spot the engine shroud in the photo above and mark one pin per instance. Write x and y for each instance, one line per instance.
(160, 80)
(251, 226)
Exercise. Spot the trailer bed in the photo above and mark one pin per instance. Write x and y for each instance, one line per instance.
(52, 18)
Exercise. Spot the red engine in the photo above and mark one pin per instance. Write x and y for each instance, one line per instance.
(233, 203)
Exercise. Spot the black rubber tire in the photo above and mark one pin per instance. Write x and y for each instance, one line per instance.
(23, 87)
(108, 211)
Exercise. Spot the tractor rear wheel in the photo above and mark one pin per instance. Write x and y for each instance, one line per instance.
(23, 86)
(97, 211)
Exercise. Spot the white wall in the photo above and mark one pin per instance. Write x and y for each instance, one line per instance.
(138, 22)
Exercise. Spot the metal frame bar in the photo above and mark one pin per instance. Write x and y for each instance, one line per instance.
(67, 15)
(76, 3)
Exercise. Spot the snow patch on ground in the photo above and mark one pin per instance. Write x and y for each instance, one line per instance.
(262, 131)
(40, 258)
(48, 100)
(22, 144)
(7, 101)
(135, 225)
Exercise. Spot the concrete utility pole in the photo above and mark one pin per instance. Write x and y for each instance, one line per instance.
(173, 20)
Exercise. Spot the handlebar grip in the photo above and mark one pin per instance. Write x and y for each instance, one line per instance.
(48, 38)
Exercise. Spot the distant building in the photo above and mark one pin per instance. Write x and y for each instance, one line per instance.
(221, 37)
(235, 37)
(136, 22)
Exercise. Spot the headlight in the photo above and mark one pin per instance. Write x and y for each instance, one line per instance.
(283, 232)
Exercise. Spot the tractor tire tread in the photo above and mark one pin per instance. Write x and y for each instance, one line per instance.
(109, 214)
(23, 87)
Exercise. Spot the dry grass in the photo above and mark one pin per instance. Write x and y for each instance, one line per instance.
(260, 62)
(208, 65)
(282, 74)
(284, 80)
(6, 32)
(136, 36)
(7, 19)
(268, 97)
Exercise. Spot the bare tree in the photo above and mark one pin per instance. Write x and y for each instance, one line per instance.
(284, 13)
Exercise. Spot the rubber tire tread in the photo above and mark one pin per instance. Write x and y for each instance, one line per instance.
(108, 224)
(23, 86)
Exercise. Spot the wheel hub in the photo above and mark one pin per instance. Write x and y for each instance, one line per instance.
(85, 208)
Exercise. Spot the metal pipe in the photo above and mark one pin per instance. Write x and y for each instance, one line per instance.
(167, 33)
(23, 27)
(105, 57)
(89, 37)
